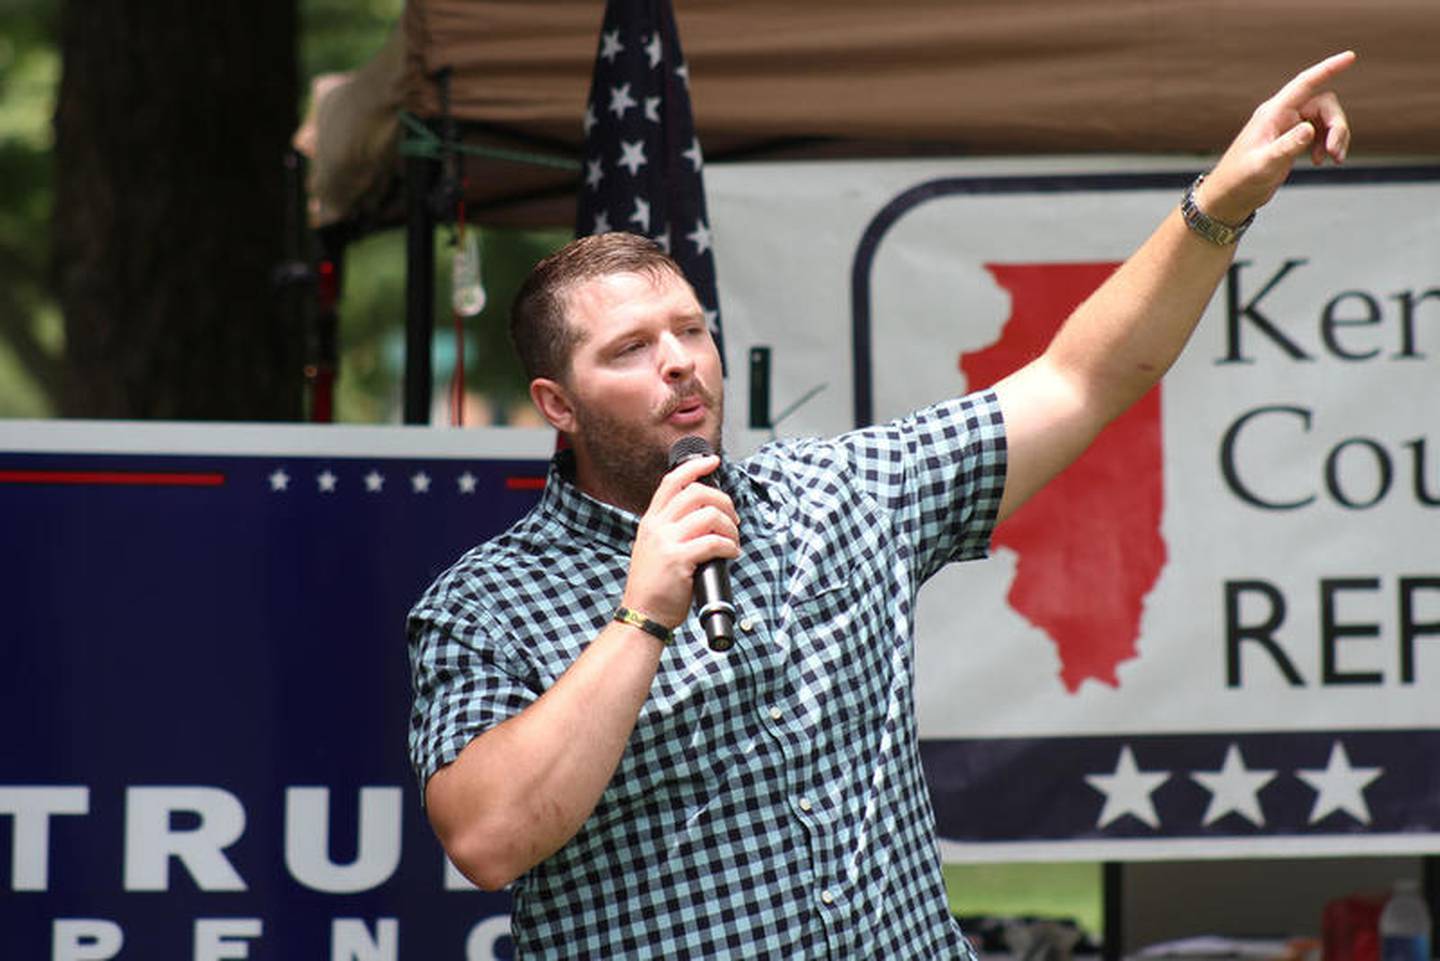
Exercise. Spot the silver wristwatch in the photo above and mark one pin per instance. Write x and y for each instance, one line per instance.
(1219, 234)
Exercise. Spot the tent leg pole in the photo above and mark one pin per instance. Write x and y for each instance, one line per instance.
(420, 175)
(1112, 907)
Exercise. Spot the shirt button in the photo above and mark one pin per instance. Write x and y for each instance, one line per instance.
(827, 897)
(805, 804)
(747, 624)
(775, 714)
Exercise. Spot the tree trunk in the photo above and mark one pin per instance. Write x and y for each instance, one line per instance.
(170, 209)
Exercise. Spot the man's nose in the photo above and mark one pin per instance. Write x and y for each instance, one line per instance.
(676, 363)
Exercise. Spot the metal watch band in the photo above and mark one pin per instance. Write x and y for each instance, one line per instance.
(1218, 233)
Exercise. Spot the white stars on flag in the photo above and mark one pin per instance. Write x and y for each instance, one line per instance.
(621, 101)
(697, 159)
(326, 481)
(420, 482)
(700, 237)
(632, 156)
(639, 123)
(374, 481)
(279, 480)
(610, 45)
(466, 483)
(641, 216)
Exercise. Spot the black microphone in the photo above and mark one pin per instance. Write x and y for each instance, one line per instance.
(713, 603)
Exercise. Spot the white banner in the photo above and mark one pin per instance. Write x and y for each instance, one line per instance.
(1227, 617)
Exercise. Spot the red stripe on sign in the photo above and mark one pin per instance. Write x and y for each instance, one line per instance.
(524, 483)
(110, 478)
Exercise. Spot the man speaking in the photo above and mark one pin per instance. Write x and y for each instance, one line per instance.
(574, 732)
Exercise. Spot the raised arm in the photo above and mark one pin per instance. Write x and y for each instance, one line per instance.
(1119, 342)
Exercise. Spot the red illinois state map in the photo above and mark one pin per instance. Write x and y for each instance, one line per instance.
(1088, 546)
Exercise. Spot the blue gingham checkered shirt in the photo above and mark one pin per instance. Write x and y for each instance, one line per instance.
(771, 801)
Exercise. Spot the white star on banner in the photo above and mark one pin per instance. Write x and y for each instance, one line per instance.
(641, 215)
(701, 236)
(653, 50)
(594, 173)
(1234, 788)
(279, 480)
(420, 482)
(663, 239)
(1340, 787)
(683, 72)
(693, 154)
(602, 223)
(620, 100)
(1128, 790)
(326, 481)
(590, 119)
(466, 483)
(712, 319)
(374, 481)
(610, 40)
(652, 109)
(632, 156)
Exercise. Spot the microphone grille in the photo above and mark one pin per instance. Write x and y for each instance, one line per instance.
(687, 448)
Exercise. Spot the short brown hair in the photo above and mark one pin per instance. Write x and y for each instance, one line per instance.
(538, 327)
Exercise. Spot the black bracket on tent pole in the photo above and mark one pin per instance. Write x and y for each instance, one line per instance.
(450, 189)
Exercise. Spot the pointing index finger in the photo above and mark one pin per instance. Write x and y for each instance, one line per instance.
(1312, 80)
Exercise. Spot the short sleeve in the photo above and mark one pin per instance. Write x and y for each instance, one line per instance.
(464, 678)
(941, 471)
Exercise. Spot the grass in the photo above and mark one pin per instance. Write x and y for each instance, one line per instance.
(1064, 890)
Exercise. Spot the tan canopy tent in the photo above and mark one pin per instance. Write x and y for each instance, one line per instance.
(790, 79)
(805, 78)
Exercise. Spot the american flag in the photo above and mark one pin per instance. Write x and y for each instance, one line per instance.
(642, 167)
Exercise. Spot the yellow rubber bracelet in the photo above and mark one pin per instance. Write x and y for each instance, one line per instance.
(654, 628)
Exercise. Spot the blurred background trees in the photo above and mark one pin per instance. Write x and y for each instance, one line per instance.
(143, 214)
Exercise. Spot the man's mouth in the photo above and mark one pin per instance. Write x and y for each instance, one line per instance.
(688, 408)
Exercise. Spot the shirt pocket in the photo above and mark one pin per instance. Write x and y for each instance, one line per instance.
(840, 641)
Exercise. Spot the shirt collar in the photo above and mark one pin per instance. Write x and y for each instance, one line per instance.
(614, 526)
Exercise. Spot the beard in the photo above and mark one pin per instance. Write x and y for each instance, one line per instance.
(628, 458)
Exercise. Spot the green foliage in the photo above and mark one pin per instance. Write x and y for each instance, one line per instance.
(335, 35)
(30, 340)
(372, 324)
(342, 34)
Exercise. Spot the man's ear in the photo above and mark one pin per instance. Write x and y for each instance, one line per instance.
(553, 402)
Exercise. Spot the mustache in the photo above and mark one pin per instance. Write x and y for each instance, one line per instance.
(684, 394)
